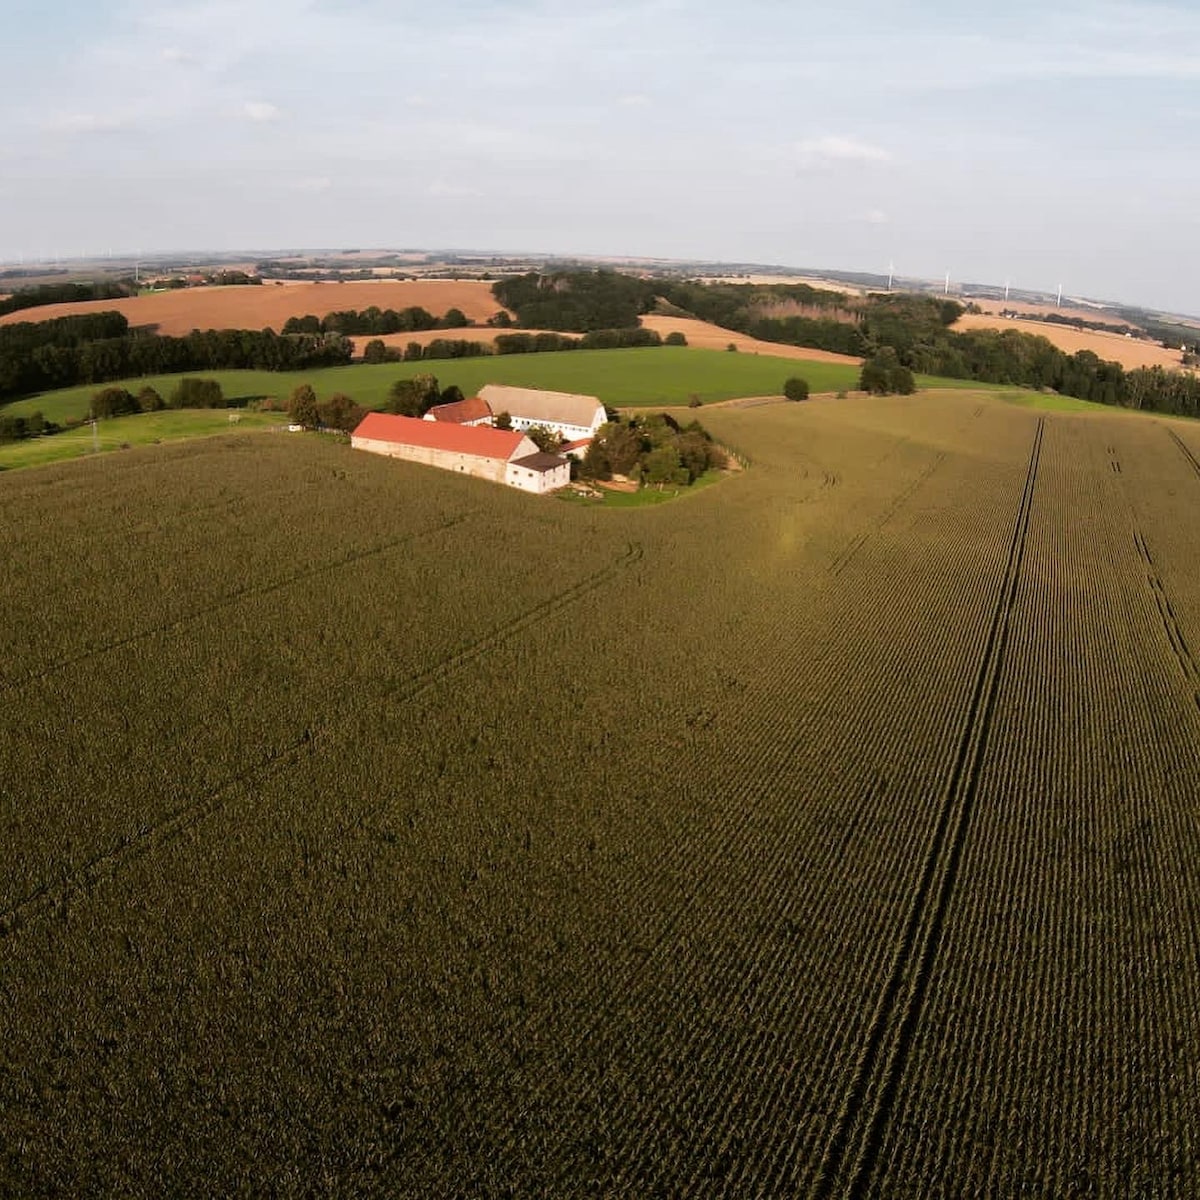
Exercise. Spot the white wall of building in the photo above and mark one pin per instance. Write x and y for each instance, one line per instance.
(537, 481)
(466, 464)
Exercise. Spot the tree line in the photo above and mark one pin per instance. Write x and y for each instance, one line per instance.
(66, 293)
(576, 301)
(377, 321)
(97, 347)
(377, 351)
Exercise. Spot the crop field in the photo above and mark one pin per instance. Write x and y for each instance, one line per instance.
(270, 305)
(371, 829)
(662, 375)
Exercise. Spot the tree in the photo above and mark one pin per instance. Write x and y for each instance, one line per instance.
(340, 412)
(148, 400)
(455, 318)
(302, 407)
(112, 402)
(502, 420)
(451, 395)
(413, 397)
(675, 338)
(375, 351)
(545, 439)
(796, 388)
(197, 393)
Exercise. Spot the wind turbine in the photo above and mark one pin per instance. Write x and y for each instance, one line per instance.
(891, 272)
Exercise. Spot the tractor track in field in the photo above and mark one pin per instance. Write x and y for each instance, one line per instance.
(1170, 623)
(851, 1153)
(847, 554)
(53, 895)
(229, 600)
(1186, 451)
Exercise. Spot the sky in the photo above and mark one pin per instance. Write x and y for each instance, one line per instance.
(1041, 144)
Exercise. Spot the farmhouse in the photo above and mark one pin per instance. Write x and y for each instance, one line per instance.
(501, 455)
(575, 417)
(471, 411)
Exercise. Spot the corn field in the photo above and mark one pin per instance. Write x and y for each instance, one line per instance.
(829, 832)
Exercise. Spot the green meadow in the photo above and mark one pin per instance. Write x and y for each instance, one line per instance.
(141, 430)
(650, 377)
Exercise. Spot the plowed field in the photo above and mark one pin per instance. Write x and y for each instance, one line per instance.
(829, 832)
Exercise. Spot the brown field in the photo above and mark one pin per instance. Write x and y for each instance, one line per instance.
(398, 341)
(1111, 347)
(1103, 315)
(269, 306)
(707, 336)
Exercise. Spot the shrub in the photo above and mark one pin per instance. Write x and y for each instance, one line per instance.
(113, 402)
(675, 338)
(796, 388)
(197, 393)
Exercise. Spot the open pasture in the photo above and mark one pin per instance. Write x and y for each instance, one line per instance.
(648, 377)
(143, 429)
(375, 830)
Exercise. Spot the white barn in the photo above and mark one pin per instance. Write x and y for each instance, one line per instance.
(573, 416)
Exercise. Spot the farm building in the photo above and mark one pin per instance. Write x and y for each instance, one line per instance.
(538, 472)
(501, 455)
(471, 411)
(575, 417)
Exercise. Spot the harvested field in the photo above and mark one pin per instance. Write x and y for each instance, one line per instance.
(828, 834)
(398, 341)
(269, 306)
(995, 307)
(707, 336)
(1112, 347)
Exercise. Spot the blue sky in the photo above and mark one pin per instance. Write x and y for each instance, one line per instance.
(1037, 143)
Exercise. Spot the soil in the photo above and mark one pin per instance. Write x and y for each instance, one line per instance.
(269, 306)
(706, 336)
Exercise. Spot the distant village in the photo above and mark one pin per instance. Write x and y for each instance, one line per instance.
(465, 437)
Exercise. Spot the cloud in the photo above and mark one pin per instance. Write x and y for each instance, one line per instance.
(314, 183)
(173, 54)
(826, 151)
(636, 100)
(449, 191)
(85, 122)
(260, 110)
(874, 216)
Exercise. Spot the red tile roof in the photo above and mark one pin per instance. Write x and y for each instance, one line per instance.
(461, 411)
(480, 440)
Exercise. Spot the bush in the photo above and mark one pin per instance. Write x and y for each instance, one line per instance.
(197, 393)
(694, 401)
(113, 402)
(796, 388)
(148, 400)
(675, 338)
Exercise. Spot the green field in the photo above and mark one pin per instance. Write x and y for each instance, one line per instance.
(620, 378)
(141, 430)
(373, 830)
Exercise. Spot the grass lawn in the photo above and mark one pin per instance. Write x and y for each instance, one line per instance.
(140, 430)
(650, 377)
